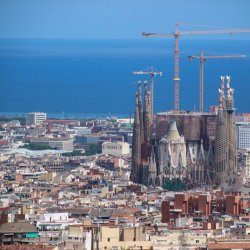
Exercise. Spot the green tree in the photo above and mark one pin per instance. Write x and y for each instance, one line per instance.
(36, 146)
(93, 149)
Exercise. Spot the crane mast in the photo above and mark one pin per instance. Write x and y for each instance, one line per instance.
(202, 59)
(176, 71)
(176, 36)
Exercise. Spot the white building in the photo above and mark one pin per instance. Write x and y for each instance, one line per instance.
(35, 118)
(54, 225)
(243, 135)
(83, 130)
(115, 148)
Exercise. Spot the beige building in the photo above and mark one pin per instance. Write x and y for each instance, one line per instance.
(130, 238)
(78, 238)
(115, 148)
(113, 238)
(179, 239)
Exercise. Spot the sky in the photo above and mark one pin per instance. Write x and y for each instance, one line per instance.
(115, 19)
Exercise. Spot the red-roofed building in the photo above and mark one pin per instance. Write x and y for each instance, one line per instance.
(3, 143)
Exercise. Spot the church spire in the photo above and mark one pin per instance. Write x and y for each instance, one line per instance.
(146, 115)
(136, 143)
(140, 109)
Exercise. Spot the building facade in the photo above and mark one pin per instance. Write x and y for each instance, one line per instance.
(243, 135)
(115, 148)
(65, 144)
(35, 118)
(172, 155)
(198, 132)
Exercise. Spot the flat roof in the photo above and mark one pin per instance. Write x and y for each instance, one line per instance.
(51, 139)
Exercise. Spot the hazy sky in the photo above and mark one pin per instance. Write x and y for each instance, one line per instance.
(114, 18)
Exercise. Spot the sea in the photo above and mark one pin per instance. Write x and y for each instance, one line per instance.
(93, 78)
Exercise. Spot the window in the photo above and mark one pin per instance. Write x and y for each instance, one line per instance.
(108, 239)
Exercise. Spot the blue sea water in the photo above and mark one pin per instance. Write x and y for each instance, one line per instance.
(95, 76)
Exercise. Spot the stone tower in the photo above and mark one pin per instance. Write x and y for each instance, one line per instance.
(143, 161)
(225, 137)
(136, 144)
(146, 115)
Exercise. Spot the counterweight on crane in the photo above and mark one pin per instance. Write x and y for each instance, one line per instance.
(176, 36)
(150, 71)
(202, 60)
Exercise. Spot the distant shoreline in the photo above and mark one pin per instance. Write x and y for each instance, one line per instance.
(55, 115)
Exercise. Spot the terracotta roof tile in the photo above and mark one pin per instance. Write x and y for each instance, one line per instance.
(229, 245)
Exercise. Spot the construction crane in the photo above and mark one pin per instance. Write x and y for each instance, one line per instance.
(202, 60)
(150, 71)
(176, 36)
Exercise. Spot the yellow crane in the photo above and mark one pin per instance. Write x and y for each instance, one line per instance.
(176, 36)
(150, 71)
(202, 59)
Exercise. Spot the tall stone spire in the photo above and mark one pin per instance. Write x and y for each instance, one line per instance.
(146, 115)
(220, 159)
(140, 108)
(221, 93)
(225, 137)
(232, 151)
(152, 168)
(136, 144)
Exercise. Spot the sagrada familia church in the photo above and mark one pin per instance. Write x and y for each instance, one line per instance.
(187, 147)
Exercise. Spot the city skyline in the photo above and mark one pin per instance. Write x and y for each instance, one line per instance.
(175, 175)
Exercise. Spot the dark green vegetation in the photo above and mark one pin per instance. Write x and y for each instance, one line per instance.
(35, 146)
(93, 149)
(174, 185)
(74, 153)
